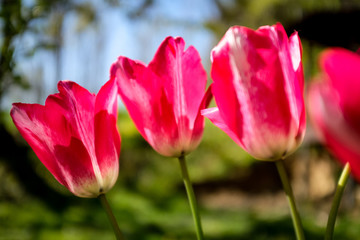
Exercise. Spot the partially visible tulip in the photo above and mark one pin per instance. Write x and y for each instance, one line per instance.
(75, 136)
(334, 105)
(164, 99)
(258, 88)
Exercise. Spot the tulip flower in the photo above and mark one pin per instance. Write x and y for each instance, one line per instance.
(333, 103)
(164, 100)
(75, 136)
(258, 88)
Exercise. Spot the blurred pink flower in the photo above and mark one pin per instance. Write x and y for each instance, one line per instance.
(258, 88)
(164, 99)
(75, 136)
(334, 105)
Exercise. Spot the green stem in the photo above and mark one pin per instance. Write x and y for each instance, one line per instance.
(111, 217)
(290, 196)
(191, 197)
(336, 202)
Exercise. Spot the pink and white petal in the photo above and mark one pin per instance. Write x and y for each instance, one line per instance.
(106, 106)
(259, 39)
(107, 97)
(182, 75)
(78, 106)
(75, 163)
(107, 147)
(32, 123)
(136, 91)
(213, 114)
(290, 58)
(261, 152)
(198, 128)
(107, 137)
(194, 82)
(302, 127)
(295, 49)
(163, 135)
(223, 88)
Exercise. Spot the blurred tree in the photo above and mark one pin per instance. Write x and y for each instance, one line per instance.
(44, 21)
(13, 23)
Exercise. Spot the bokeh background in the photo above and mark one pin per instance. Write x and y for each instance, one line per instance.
(44, 41)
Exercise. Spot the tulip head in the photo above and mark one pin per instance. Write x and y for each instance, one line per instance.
(75, 136)
(333, 104)
(258, 88)
(164, 99)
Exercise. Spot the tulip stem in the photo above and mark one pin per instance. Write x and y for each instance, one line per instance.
(290, 196)
(336, 202)
(114, 224)
(191, 197)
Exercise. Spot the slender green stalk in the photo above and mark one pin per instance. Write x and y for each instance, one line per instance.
(290, 196)
(336, 202)
(191, 197)
(115, 226)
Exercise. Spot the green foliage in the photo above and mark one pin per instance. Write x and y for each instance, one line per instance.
(149, 200)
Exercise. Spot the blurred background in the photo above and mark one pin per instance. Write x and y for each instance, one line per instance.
(42, 42)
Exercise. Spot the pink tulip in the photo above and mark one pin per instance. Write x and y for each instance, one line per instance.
(258, 88)
(164, 99)
(334, 105)
(75, 136)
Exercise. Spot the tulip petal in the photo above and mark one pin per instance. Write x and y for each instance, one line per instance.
(213, 114)
(135, 89)
(163, 133)
(223, 90)
(295, 50)
(77, 105)
(32, 122)
(75, 163)
(342, 67)
(199, 123)
(290, 54)
(107, 138)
